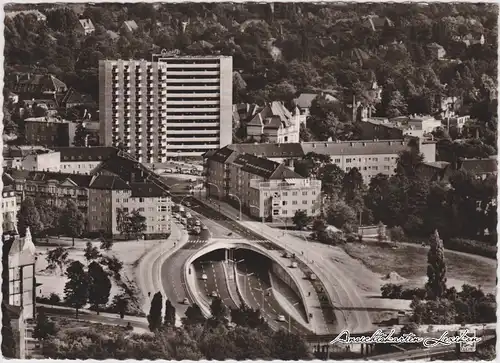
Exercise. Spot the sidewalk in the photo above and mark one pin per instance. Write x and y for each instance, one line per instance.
(148, 272)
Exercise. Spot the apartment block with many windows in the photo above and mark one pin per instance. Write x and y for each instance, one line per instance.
(172, 107)
(266, 189)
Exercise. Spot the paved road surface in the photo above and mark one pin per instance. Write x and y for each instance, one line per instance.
(252, 287)
(172, 272)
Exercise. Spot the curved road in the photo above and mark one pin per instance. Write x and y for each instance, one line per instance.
(252, 291)
(172, 272)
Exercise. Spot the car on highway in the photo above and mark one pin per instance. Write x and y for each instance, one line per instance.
(214, 294)
(294, 264)
(185, 301)
(177, 216)
(281, 318)
(188, 215)
(312, 277)
(184, 221)
(204, 277)
(169, 170)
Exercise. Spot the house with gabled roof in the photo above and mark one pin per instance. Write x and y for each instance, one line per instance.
(85, 27)
(376, 23)
(275, 123)
(38, 86)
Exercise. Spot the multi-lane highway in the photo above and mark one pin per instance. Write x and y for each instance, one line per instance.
(257, 292)
(172, 272)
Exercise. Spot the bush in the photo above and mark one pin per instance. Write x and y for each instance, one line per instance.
(397, 234)
(471, 246)
(410, 328)
(394, 291)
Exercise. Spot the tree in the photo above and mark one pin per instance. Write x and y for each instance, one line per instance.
(72, 221)
(137, 223)
(407, 163)
(99, 286)
(341, 215)
(57, 257)
(218, 311)
(331, 177)
(28, 216)
(91, 252)
(194, 316)
(397, 105)
(76, 290)
(44, 328)
(154, 317)
(106, 243)
(436, 267)
(81, 135)
(9, 344)
(247, 317)
(169, 314)
(120, 303)
(301, 219)
(122, 222)
(381, 235)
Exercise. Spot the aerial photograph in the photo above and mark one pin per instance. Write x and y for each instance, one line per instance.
(249, 181)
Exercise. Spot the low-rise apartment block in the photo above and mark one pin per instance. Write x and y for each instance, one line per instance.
(49, 132)
(117, 183)
(83, 160)
(263, 188)
(370, 157)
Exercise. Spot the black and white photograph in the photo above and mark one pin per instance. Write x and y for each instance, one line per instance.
(249, 180)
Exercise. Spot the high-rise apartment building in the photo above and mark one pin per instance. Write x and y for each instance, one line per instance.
(171, 107)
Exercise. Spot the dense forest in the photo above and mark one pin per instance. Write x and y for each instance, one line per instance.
(278, 49)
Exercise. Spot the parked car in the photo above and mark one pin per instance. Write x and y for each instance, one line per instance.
(294, 264)
(197, 222)
(169, 170)
(185, 301)
(214, 294)
(281, 318)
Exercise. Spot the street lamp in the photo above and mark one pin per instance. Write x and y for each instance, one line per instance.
(218, 191)
(239, 200)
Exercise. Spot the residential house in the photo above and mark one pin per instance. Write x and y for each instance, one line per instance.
(38, 86)
(49, 131)
(85, 27)
(276, 123)
(14, 155)
(436, 51)
(304, 101)
(457, 121)
(73, 98)
(425, 123)
(49, 105)
(259, 186)
(130, 26)
(13, 98)
(42, 160)
(18, 275)
(9, 209)
(442, 170)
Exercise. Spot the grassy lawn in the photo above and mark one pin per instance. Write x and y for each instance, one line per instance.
(410, 262)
